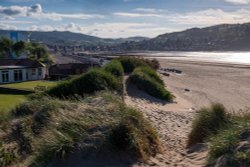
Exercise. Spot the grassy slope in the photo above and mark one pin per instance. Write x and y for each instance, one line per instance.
(57, 128)
(226, 134)
(54, 129)
(8, 101)
(30, 85)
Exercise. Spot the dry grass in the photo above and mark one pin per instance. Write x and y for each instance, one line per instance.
(56, 129)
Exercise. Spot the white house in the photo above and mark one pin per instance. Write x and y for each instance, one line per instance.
(19, 70)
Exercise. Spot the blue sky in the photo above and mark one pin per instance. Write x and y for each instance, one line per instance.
(120, 18)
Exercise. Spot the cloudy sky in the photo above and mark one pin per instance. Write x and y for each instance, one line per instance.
(120, 18)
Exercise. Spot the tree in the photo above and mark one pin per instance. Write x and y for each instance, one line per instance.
(6, 47)
(18, 47)
(38, 52)
(35, 51)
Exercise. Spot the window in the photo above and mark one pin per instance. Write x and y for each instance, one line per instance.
(33, 71)
(18, 75)
(5, 76)
(39, 71)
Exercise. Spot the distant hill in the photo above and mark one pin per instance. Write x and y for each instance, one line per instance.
(220, 37)
(69, 38)
(225, 37)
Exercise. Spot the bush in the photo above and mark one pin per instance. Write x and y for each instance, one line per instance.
(151, 73)
(115, 68)
(81, 128)
(91, 82)
(35, 106)
(208, 122)
(130, 63)
(231, 142)
(135, 135)
(149, 84)
(154, 63)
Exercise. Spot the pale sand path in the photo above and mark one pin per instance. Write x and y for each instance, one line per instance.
(172, 122)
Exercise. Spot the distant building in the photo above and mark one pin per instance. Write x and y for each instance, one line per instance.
(59, 71)
(19, 70)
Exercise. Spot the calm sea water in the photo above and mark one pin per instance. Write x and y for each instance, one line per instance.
(220, 57)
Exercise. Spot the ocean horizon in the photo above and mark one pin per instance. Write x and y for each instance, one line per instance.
(219, 57)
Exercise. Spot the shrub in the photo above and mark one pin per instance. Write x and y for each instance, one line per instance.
(223, 143)
(35, 106)
(109, 122)
(91, 82)
(154, 63)
(115, 68)
(7, 157)
(149, 84)
(208, 122)
(230, 143)
(130, 63)
(151, 73)
(135, 135)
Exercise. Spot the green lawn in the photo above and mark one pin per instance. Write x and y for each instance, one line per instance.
(9, 101)
(30, 85)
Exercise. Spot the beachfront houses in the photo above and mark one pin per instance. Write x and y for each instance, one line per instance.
(19, 70)
(60, 71)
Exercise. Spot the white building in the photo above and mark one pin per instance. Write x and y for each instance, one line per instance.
(19, 70)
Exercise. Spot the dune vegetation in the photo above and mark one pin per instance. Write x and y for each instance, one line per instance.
(226, 134)
(56, 128)
(81, 115)
(149, 81)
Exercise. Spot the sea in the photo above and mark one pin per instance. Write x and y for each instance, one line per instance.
(217, 57)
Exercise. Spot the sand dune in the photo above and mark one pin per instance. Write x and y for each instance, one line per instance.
(224, 83)
(173, 122)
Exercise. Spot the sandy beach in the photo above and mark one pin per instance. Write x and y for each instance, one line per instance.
(206, 83)
(210, 82)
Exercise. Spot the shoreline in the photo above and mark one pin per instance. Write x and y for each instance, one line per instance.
(210, 83)
(208, 63)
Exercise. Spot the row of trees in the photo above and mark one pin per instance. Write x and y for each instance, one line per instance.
(32, 50)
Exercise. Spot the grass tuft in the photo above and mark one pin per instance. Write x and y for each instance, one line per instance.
(130, 63)
(208, 122)
(55, 129)
(91, 82)
(147, 80)
(115, 68)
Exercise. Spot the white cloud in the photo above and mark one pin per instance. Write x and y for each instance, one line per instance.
(7, 27)
(17, 22)
(21, 10)
(211, 17)
(204, 17)
(238, 2)
(148, 10)
(60, 16)
(109, 30)
(36, 12)
(126, 14)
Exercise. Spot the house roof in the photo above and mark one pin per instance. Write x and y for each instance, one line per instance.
(20, 63)
(70, 68)
(12, 67)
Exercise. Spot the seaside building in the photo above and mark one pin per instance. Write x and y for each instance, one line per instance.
(59, 71)
(19, 70)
